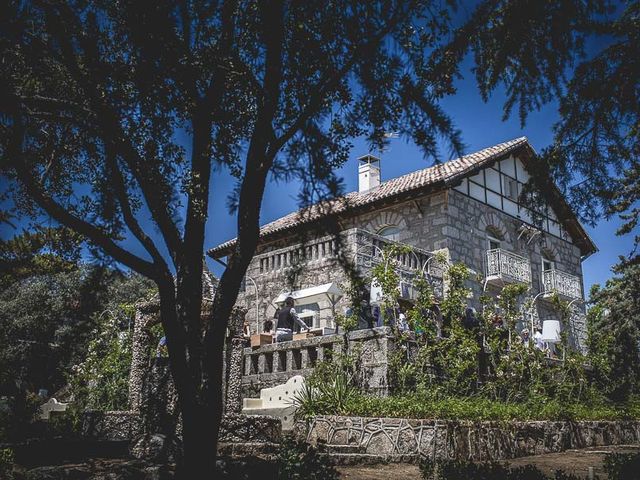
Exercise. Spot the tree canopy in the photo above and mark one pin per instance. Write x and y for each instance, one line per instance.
(47, 320)
(614, 333)
(582, 55)
(115, 114)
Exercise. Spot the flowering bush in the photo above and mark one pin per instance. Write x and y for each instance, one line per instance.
(100, 382)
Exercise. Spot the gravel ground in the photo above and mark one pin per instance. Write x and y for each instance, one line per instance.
(576, 462)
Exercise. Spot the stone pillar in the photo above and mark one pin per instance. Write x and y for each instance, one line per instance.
(262, 363)
(289, 360)
(235, 347)
(304, 358)
(141, 346)
(247, 365)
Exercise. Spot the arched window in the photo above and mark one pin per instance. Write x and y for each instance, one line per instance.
(392, 232)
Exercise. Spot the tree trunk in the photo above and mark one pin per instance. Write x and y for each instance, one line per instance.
(197, 439)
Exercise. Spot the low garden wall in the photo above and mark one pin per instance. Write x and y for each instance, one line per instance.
(125, 425)
(477, 441)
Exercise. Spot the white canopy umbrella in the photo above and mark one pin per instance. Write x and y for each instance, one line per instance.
(328, 291)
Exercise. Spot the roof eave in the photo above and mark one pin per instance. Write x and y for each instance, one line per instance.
(224, 250)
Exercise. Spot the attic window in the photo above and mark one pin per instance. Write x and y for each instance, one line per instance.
(510, 186)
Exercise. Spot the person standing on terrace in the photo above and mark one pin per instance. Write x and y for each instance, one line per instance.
(287, 316)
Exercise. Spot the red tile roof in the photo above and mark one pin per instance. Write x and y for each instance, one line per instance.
(443, 174)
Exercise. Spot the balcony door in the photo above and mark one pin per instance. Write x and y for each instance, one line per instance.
(493, 243)
(547, 264)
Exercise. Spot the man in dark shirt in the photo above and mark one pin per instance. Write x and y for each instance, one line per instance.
(287, 317)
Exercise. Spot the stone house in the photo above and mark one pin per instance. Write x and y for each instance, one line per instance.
(468, 208)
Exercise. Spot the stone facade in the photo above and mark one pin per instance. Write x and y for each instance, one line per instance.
(467, 223)
(448, 221)
(476, 441)
(280, 266)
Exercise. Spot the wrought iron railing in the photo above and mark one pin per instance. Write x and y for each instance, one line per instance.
(507, 266)
(563, 283)
(370, 250)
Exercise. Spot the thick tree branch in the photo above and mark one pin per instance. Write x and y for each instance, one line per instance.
(251, 193)
(64, 217)
(120, 191)
(190, 270)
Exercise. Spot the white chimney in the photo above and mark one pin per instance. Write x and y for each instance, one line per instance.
(368, 172)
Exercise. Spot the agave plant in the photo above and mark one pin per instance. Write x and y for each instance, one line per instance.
(328, 397)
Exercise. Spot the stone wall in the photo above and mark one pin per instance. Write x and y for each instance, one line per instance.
(466, 227)
(445, 220)
(111, 426)
(477, 441)
(420, 222)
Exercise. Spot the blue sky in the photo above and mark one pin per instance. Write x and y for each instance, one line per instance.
(481, 125)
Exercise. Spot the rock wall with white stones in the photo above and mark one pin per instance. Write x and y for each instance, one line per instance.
(476, 441)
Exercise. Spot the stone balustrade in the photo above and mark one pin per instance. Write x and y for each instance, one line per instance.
(369, 249)
(364, 247)
(274, 364)
(289, 357)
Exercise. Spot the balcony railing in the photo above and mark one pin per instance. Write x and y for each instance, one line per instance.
(370, 248)
(565, 284)
(369, 251)
(507, 267)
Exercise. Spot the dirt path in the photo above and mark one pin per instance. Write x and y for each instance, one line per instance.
(392, 471)
(576, 462)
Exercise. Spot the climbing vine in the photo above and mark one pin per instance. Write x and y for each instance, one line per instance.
(385, 275)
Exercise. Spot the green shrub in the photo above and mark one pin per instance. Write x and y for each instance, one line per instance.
(445, 377)
(334, 396)
(6, 464)
(427, 405)
(347, 323)
(101, 381)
